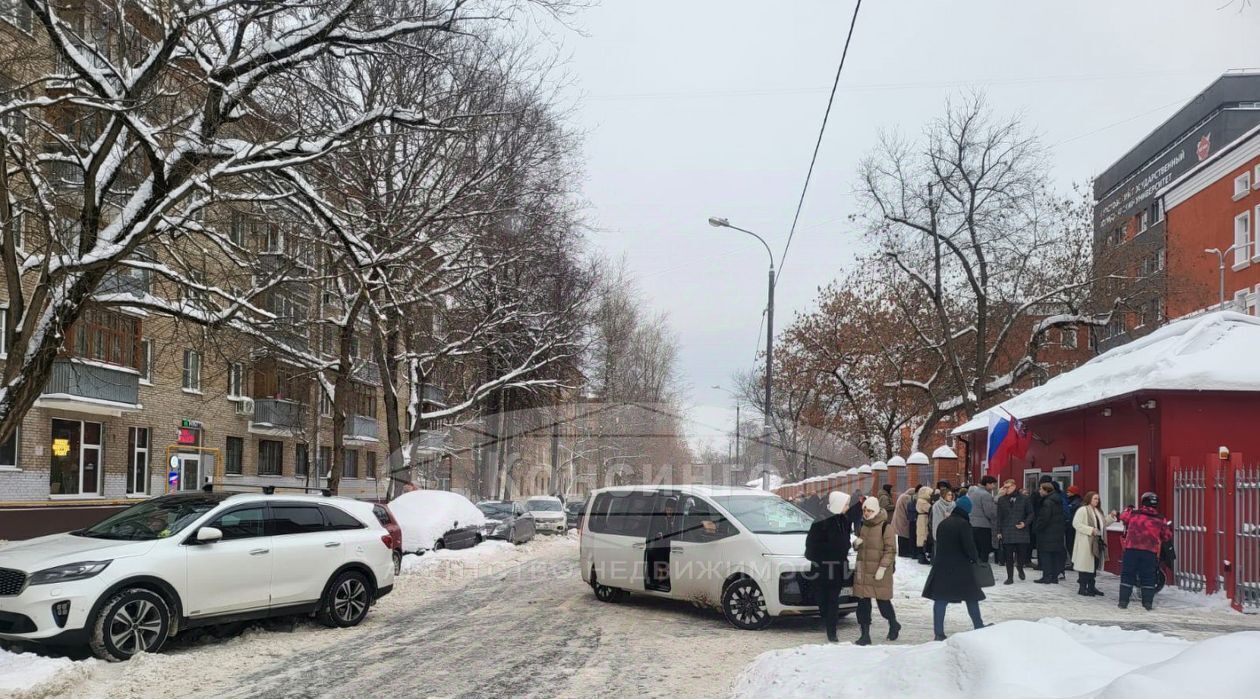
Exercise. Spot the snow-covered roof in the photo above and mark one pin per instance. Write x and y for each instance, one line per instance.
(943, 452)
(1210, 352)
(918, 458)
(775, 482)
(879, 466)
(896, 461)
(864, 468)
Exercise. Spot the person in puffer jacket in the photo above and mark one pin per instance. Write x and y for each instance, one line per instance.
(923, 522)
(1145, 531)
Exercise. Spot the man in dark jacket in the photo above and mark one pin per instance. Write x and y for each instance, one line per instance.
(1049, 527)
(1145, 531)
(1073, 504)
(827, 548)
(1014, 526)
(953, 578)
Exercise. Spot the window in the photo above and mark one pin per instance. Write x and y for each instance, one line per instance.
(4, 324)
(1242, 185)
(338, 519)
(324, 463)
(1144, 220)
(350, 464)
(146, 361)
(1069, 338)
(245, 523)
(238, 224)
(270, 457)
(138, 461)
(325, 403)
(382, 515)
(362, 400)
(1242, 238)
(1160, 258)
(107, 337)
(369, 463)
(275, 239)
(702, 523)
(301, 459)
(1157, 211)
(1157, 311)
(233, 456)
(76, 458)
(9, 451)
(1255, 179)
(1118, 479)
(17, 13)
(236, 380)
(192, 370)
(626, 515)
(1031, 476)
(296, 519)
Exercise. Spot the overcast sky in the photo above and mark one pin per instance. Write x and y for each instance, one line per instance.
(696, 108)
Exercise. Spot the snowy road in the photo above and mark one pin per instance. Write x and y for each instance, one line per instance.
(504, 621)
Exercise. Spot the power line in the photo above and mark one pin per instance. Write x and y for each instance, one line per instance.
(818, 144)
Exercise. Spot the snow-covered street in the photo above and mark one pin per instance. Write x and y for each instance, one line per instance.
(499, 620)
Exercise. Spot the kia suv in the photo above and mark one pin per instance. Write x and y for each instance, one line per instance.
(171, 563)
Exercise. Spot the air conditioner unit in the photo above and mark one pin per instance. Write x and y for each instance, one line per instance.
(245, 407)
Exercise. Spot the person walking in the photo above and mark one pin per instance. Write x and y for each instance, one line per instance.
(1074, 503)
(941, 508)
(1145, 531)
(1089, 546)
(953, 577)
(1013, 529)
(901, 524)
(876, 561)
(983, 515)
(827, 549)
(922, 523)
(1048, 528)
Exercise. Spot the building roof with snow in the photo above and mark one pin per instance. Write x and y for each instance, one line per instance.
(1209, 352)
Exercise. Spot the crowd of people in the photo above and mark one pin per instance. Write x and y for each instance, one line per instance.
(957, 530)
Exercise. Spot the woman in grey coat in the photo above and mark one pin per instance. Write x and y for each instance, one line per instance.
(941, 509)
(1014, 521)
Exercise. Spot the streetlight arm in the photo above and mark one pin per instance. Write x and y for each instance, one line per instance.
(762, 240)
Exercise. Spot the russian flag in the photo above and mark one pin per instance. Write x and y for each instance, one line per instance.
(1008, 439)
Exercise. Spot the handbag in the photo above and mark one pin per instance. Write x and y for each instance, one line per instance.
(984, 575)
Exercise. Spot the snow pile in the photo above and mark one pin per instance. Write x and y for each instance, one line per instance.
(1015, 659)
(425, 515)
(487, 551)
(31, 675)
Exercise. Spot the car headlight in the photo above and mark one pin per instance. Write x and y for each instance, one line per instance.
(71, 571)
(501, 528)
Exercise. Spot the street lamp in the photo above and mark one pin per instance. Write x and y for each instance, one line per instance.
(728, 452)
(1221, 254)
(718, 222)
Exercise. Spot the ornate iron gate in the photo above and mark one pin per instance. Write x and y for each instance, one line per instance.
(1247, 537)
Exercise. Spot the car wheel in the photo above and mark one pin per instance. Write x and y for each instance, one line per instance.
(512, 535)
(477, 540)
(397, 562)
(744, 605)
(132, 621)
(439, 545)
(347, 601)
(604, 593)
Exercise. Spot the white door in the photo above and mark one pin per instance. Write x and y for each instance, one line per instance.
(306, 552)
(618, 530)
(701, 558)
(234, 574)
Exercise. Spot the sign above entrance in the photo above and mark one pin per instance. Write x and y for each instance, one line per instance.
(191, 424)
(187, 435)
(61, 447)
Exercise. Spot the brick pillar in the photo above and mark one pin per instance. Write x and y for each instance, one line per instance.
(949, 469)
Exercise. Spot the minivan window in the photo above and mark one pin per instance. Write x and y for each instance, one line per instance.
(243, 523)
(629, 514)
(702, 523)
(338, 519)
(766, 515)
(296, 519)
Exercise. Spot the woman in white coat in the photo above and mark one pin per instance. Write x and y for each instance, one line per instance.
(1089, 550)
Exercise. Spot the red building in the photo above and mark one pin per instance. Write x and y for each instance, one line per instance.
(1215, 205)
(1142, 415)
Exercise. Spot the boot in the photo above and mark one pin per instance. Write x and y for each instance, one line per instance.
(1093, 590)
(1126, 591)
(1021, 573)
(894, 629)
(865, 638)
(831, 636)
(1009, 581)
(940, 637)
(1148, 598)
(1083, 589)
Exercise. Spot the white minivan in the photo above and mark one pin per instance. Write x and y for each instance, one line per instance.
(739, 549)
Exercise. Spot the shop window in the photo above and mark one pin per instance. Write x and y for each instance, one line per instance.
(75, 467)
(270, 457)
(1118, 478)
(233, 456)
(138, 461)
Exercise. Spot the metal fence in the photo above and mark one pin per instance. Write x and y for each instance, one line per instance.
(1189, 517)
(1247, 537)
(1216, 529)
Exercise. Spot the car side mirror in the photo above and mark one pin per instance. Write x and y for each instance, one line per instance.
(209, 535)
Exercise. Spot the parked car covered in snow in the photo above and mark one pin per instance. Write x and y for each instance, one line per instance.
(437, 519)
(507, 520)
(548, 513)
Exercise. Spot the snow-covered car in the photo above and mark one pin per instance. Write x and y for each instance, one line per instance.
(175, 562)
(739, 549)
(437, 519)
(506, 520)
(548, 513)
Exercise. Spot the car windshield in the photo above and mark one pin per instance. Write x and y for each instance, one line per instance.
(152, 519)
(543, 505)
(495, 509)
(766, 515)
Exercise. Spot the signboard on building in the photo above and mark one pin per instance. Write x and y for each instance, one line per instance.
(61, 447)
(187, 436)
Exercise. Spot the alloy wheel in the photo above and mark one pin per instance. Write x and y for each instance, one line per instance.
(135, 626)
(350, 600)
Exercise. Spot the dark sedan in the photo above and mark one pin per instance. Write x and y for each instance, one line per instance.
(573, 513)
(506, 520)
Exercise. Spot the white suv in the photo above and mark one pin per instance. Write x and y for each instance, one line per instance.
(548, 513)
(179, 561)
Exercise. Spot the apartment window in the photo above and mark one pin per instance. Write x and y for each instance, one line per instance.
(192, 370)
(275, 239)
(301, 459)
(138, 461)
(1157, 311)
(325, 403)
(236, 380)
(146, 361)
(350, 464)
(9, 452)
(19, 219)
(1255, 179)
(17, 13)
(270, 457)
(1242, 185)
(234, 456)
(1118, 478)
(369, 463)
(1242, 238)
(107, 337)
(1069, 338)
(324, 461)
(1157, 211)
(4, 335)
(1144, 220)
(1160, 258)
(238, 224)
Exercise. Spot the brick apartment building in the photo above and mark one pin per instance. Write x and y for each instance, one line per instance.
(1130, 233)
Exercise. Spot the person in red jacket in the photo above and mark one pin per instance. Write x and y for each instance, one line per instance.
(1145, 531)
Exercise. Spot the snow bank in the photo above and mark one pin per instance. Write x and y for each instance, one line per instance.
(31, 675)
(425, 515)
(1002, 661)
(487, 551)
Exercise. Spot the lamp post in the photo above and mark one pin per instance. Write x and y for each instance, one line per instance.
(737, 403)
(1220, 255)
(717, 222)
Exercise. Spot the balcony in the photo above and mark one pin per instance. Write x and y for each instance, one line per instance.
(432, 440)
(91, 387)
(125, 281)
(434, 395)
(277, 416)
(360, 428)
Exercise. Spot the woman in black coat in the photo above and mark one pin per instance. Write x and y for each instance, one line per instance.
(827, 548)
(1049, 527)
(953, 578)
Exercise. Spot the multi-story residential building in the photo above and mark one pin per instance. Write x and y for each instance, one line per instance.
(1131, 238)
